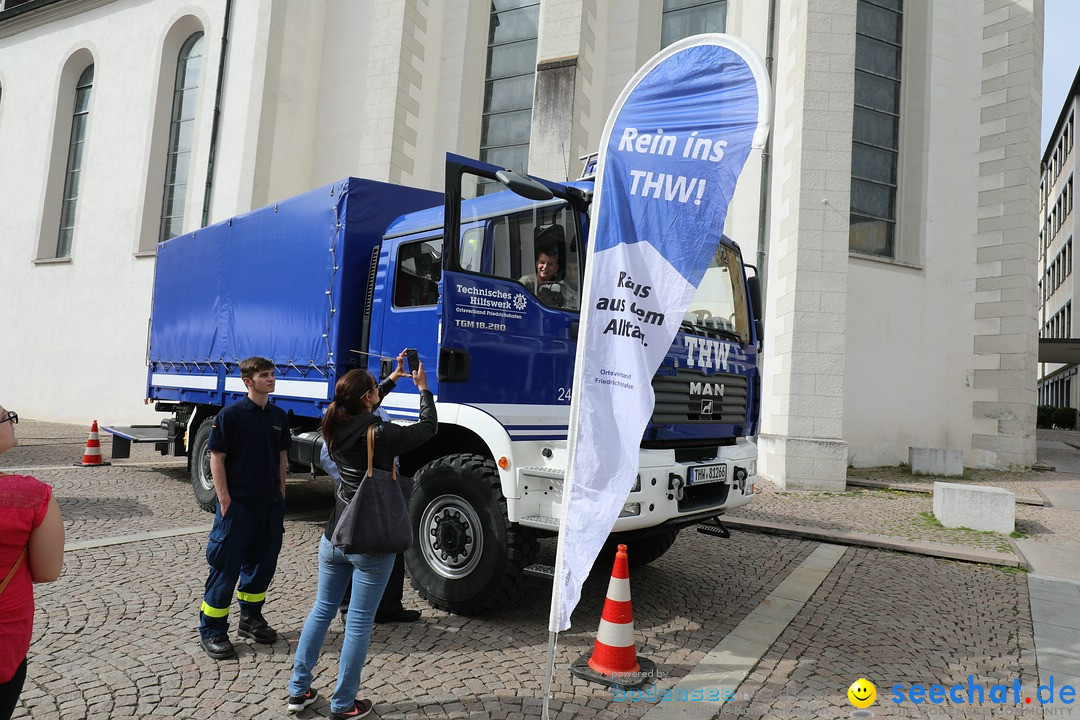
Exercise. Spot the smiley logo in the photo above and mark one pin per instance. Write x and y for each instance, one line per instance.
(862, 693)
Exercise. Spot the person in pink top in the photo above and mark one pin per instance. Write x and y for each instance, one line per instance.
(31, 550)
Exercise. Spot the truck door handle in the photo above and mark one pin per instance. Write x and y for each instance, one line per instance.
(453, 365)
(573, 330)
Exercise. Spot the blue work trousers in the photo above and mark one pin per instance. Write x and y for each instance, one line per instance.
(243, 546)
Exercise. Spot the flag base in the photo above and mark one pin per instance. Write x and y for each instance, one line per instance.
(647, 672)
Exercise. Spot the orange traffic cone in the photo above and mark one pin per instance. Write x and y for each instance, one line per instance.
(614, 660)
(92, 453)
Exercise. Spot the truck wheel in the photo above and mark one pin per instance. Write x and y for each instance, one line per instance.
(201, 480)
(640, 549)
(468, 557)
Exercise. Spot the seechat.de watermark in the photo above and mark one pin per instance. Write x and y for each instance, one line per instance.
(976, 693)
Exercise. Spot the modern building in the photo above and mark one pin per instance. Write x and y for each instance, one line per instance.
(1057, 284)
(893, 212)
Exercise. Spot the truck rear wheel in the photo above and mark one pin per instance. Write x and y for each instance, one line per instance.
(201, 480)
(468, 557)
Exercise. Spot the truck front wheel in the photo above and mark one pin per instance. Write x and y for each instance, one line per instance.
(641, 548)
(201, 479)
(468, 557)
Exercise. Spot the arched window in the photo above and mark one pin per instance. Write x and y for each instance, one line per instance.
(181, 130)
(79, 119)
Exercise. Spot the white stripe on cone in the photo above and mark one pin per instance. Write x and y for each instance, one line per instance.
(618, 589)
(616, 635)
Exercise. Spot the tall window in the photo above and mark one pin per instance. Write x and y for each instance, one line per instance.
(683, 18)
(181, 129)
(875, 136)
(508, 90)
(80, 118)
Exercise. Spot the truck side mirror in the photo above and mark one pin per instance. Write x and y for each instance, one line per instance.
(754, 284)
(524, 186)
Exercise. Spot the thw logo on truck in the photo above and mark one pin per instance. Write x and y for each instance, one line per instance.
(708, 354)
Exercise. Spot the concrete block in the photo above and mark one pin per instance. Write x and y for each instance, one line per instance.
(975, 506)
(933, 461)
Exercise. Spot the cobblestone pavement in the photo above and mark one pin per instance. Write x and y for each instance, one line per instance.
(116, 636)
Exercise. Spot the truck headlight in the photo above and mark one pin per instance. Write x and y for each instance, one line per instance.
(630, 510)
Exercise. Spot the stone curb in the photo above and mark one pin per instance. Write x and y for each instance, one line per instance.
(918, 547)
(927, 489)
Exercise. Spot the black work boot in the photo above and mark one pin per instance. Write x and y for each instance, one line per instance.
(253, 626)
(397, 615)
(218, 647)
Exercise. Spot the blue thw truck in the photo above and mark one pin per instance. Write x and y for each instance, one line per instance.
(348, 275)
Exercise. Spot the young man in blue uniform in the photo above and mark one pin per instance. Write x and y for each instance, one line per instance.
(248, 462)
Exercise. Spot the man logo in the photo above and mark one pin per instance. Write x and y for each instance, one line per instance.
(706, 407)
(708, 389)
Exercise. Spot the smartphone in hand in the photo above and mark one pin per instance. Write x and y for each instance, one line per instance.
(412, 358)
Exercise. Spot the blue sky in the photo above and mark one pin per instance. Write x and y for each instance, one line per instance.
(1060, 60)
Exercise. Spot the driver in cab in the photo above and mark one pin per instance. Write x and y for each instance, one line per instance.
(547, 282)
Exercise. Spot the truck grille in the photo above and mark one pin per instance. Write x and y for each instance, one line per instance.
(689, 395)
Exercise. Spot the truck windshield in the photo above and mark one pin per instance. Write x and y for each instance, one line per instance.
(720, 307)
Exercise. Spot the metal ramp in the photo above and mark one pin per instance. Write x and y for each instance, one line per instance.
(125, 435)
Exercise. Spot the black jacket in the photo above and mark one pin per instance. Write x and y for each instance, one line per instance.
(350, 448)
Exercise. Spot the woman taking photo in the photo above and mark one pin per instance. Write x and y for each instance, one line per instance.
(31, 551)
(344, 429)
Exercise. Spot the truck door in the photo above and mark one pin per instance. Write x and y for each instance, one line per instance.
(509, 299)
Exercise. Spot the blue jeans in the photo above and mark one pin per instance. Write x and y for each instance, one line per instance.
(369, 574)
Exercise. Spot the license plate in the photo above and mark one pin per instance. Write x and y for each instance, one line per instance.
(701, 474)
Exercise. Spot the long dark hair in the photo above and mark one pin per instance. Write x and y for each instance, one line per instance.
(348, 394)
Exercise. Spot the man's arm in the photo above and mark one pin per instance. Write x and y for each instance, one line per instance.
(221, 483)
(329, 465)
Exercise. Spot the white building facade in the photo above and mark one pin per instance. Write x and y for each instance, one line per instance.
(894, 213)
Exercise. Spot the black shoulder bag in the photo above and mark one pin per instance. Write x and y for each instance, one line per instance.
(376, 520)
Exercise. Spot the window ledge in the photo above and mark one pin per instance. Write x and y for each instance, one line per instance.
(146, 254)
(53, 261)
(855, 255)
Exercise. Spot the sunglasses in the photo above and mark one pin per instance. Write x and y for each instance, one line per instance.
(12, 417)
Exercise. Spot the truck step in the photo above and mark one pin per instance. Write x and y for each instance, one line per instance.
(715, 528)
(540, 521)
(540, 571)
(543, 472)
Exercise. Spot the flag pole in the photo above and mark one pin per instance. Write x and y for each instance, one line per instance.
(552, 636)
